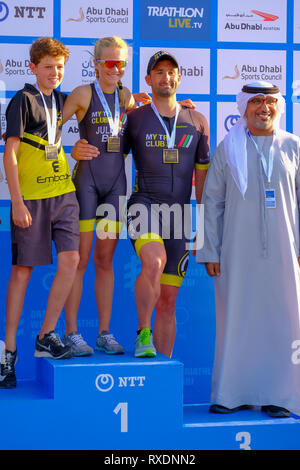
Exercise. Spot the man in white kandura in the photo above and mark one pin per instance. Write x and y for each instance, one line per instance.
(251, 245)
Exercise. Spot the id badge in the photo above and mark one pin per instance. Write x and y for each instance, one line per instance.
(270, 199)
(51, 152)
(170, 156)
(113, 144)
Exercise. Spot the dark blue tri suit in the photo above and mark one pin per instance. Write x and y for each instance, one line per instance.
(161, 186)
(101, 180)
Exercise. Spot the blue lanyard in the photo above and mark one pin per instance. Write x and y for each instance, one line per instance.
(114, 124)
(170, 138)
(267, 169)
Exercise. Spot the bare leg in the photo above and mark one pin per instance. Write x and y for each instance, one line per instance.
(165, 321)
(147, 286)
(60, 289)
(104, 279)
(73, 300)
(16, 290)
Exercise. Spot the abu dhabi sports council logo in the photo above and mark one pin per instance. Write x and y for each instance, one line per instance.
(263, 72)
(79, 18)
(177, 20)
(4, 11)
(101, 15)
(235, 75)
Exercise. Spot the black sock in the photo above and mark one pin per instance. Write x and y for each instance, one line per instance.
(138, 331)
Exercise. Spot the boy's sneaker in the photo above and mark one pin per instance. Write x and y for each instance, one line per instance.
(107, 343)
(144, 346)
(51, 346)
(7, 369)
(80, 347)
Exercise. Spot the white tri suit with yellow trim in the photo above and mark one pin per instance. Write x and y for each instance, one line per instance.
(101, 182)
(158, 209)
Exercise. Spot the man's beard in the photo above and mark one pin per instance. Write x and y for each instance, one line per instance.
(166, 92)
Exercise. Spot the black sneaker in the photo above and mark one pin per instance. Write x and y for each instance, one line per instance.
(7, 370)
(52, 346)
(276, 411)
(224, 410)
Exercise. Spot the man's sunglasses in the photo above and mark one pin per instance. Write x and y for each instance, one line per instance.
(109, 64)
(269, 100)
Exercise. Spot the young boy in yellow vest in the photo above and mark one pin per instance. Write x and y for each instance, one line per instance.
(43, 201)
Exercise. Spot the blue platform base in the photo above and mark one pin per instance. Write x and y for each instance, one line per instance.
(124, 403)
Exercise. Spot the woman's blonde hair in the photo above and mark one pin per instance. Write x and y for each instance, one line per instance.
(112, 41)
(116, 42)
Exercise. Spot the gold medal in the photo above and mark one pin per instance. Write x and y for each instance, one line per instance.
(113, 144)
(170, 156)
(51, 152)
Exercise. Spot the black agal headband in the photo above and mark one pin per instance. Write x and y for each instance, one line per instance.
(263, 90)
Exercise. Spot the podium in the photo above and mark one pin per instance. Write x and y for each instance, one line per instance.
(125, 403)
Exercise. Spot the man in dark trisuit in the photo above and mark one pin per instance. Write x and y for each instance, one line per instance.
(168, 142)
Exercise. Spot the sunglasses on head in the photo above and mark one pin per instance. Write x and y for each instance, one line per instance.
(109, 63)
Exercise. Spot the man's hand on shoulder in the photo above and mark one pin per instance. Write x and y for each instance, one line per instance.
(188, 103)
(142, 97)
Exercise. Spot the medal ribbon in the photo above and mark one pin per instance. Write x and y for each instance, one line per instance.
(113, 123)
(170, 138)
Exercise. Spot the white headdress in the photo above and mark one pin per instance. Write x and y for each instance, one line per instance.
(236, 139)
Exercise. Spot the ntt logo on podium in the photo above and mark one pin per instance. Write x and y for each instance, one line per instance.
(105, 382)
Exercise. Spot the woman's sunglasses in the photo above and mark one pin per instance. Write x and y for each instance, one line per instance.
(109, 64)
